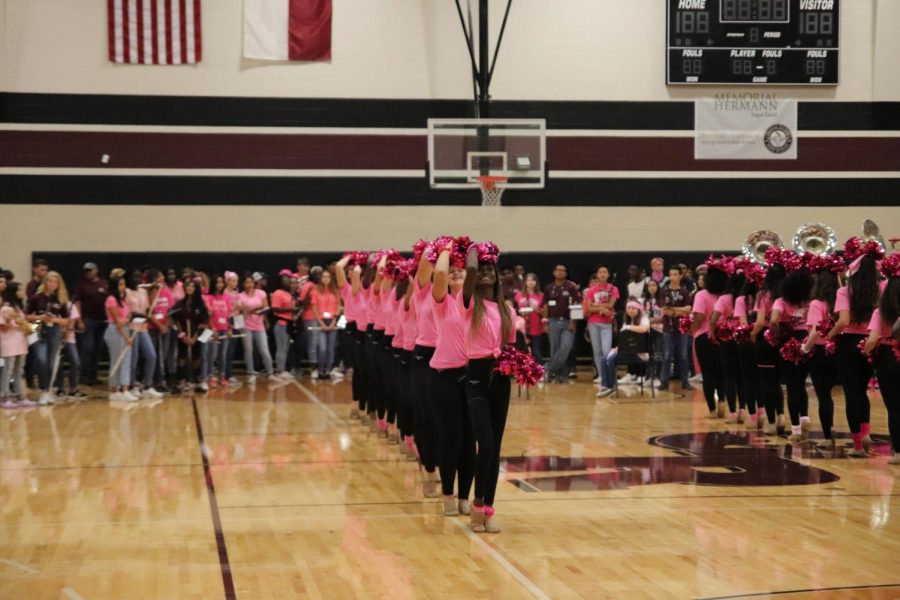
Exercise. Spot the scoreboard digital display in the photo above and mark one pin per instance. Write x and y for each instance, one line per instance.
(753, 42)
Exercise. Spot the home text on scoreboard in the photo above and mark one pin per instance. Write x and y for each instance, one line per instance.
(753, 42)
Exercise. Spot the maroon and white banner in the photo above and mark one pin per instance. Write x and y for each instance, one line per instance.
(154, 32)
(287, 29)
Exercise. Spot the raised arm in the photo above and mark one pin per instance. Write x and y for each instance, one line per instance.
(441, 276)
(425, 269)
(471, 274)
(356, 279)
(339, 272)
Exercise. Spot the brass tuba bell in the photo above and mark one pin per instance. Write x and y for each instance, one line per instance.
(870, 232)
(815, 238)
(758, 242)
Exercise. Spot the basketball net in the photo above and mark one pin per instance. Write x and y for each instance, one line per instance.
(492, 187)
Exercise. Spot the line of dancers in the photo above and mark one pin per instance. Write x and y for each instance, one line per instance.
(833, 318)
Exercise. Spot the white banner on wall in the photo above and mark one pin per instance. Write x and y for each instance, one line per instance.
(745, 125)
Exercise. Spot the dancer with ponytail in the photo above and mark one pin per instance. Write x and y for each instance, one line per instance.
(767, 363)
(490, 326)
(707, 353)
(746, 300)
(885, 350)
(448, 364)
(854, 305)
(788, 322)
(728, 348)
(354, 311)
(823, 367)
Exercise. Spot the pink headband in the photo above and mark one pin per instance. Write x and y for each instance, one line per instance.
(635, 305)
(230, 275)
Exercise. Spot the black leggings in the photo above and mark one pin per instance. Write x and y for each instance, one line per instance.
(389, 379)
(711, 367)
(767, 363)
(375, 387)
(749, 388)
(406, 420)
(823, 372)
(360, 368)
(487, 393)
(457, 453)
(795, 381)
(888, 370)
(731, 375)
(422, 391)
(854, 372)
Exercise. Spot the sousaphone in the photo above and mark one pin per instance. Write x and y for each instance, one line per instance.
(815, 238)
(870, 232)
(758, 242)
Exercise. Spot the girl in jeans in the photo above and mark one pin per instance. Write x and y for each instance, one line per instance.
(283, 309)
(51, 306)
(600, 302)
(14, 331)
(231, 296)
(252, 303)
(144, 351)
(119, 340)
(326, 307)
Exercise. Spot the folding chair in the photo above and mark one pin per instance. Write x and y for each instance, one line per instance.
(631, 346)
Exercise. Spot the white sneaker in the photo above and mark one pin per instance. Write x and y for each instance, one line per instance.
(251, 379)
(45, 399)
(336, 374)
(129, 397)
(136, 392)
(152, 393)
(314, 374)
(115, 397)
(698, 378)
(233, 380)
(629, 378)
(285, 375)
(604, 392)
(598, 380)
(204, 386)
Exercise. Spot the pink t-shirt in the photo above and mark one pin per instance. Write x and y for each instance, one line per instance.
(740, 308)
(602, 294)
(376, 313)
(249, 305)
(704, 304)
(397, 318)
(724, 306)
(176, 293)
(842, 302)
(305, 290)
(74, 315)
(763, 304)
(13, 342)
(361, 301)
(282, 299)
(389, 305)
(120, 312)
(876, 323)
(349, 303)
(161, 305)
(408, 325)
(426, 327)
(818, 310)
(452, 332)
(795, 315)
(526, 301)
(220, 308)
(485, 341)
(325, 302)
(139, 303)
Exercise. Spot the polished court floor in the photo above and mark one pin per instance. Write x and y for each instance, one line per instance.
(272, 492)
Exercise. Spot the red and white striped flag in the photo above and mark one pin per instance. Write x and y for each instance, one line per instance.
(287, 29)
(154, 32)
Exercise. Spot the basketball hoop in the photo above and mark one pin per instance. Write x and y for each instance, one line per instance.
(492, 187)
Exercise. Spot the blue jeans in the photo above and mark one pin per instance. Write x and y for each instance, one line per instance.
(119, 352)
(89, 343)
(45, 355)
(537, 347)
(311, 333)
(282, 342)
(143, 351)
(677, 347)
(258, 340)
(561, 341)
(601, 343)
(325, 351)
(70, 352)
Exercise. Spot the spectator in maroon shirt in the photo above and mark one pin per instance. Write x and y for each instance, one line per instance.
(558, 296)
(39, 270)
(90, 297)
(510, 285)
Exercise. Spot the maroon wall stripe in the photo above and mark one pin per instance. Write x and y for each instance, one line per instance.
(139, 8)
(198, 46)
(341, 151)
(111, 24)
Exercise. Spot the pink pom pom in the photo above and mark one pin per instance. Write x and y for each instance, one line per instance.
(791, 352)
(895, 347)
(770, 337)
(488, 252)
(830, 347)
(825, 326)
(854, 248)
(742, 334)
(457, 251)
(725, 264)
(890, 266)
(519, 365)
(725, 330)
(862, 348)
(358, 257)
(684, 324)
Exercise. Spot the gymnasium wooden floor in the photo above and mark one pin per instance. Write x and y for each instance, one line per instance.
(273, 493)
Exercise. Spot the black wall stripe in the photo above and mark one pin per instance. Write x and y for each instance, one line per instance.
(342, 112)
(285, 191)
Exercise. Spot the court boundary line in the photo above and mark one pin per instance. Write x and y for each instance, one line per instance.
(501, 560)
(783, 592)
(224, 563)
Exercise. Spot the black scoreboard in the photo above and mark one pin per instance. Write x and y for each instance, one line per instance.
(755, 42)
